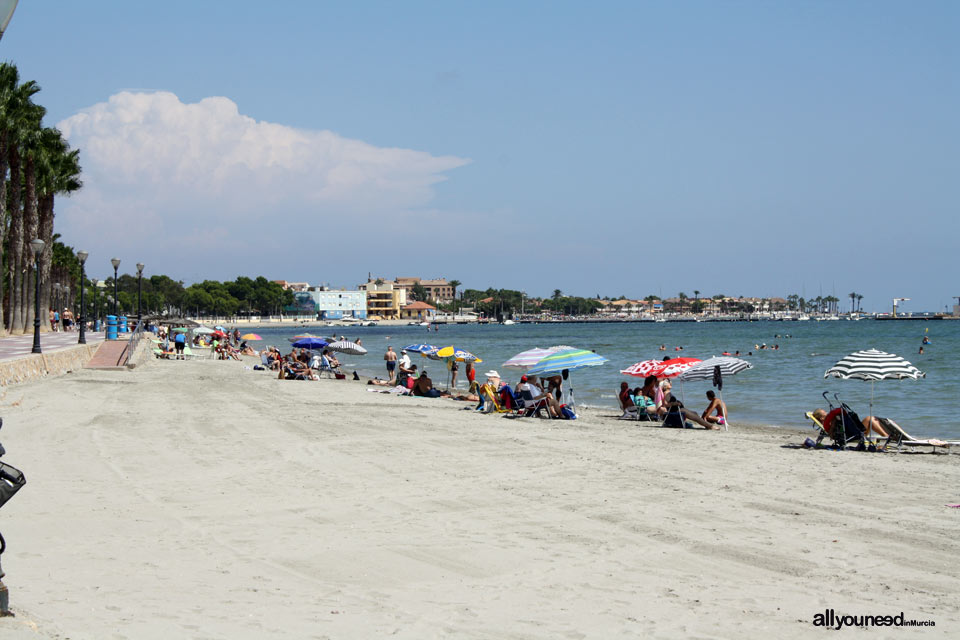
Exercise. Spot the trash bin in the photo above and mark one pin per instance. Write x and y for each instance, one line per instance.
(111, 328)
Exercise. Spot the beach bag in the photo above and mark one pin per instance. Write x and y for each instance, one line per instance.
(340, 376)
(673, 419)
(567, 412)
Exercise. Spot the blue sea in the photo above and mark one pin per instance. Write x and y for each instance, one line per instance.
(782, 385)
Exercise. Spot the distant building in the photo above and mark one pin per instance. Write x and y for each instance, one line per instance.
(337, 305)
(417, 311)
(384, 300)
(439, 290)
(293, 286)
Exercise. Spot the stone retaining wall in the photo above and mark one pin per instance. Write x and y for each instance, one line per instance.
(142, 354)
(42, 365)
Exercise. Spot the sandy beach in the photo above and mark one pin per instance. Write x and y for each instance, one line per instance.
(205, 500)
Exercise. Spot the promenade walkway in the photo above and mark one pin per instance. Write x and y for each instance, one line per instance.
(20, 346)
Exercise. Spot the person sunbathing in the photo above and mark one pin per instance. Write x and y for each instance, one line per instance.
(871, 424)
(293, 369)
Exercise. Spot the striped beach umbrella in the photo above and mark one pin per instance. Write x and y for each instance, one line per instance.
(566, 360)
(303, 336)
(873, 365)
(530, 357)
(250, 336)
(345, 346)
(705, 370)
(569, 359)
(660, 368)
(714, 369)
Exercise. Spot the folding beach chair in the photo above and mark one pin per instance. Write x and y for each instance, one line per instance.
(901, 438)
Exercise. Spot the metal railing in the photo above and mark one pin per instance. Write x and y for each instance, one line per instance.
(132, 344)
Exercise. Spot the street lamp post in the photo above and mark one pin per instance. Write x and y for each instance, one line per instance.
(116, 265)
(96, 310)
(37, 246)
(82, 257)
(140, 266)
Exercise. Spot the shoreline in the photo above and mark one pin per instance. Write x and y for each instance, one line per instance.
(202, 498)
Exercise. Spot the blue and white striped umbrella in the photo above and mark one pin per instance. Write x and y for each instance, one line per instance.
(569, 359)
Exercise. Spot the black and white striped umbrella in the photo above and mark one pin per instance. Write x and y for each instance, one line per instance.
(873, 365)
(704, 370)
(345, 346)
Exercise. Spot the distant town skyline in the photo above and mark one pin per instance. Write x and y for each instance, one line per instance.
(615, 148)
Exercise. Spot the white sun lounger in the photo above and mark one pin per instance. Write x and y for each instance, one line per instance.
(901, 438)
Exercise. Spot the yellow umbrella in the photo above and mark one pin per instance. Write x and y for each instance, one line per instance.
(250, 336)
(461, 355)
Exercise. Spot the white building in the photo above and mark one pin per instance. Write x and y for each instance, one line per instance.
(334, 305)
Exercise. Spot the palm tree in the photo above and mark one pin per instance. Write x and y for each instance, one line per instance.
(30, 139)
(557, 294)
(20, 117)
(859, 298)
(59, 174)
(9, 81)
(696, 300)
(853, 300)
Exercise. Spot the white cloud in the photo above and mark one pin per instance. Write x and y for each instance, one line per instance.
(169, 179)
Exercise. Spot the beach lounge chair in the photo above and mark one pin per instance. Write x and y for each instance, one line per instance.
(901, 438)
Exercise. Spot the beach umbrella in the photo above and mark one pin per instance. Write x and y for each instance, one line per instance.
(566, 360)
(179, 329)
(458, 354)
(302, 336)
(873, 365)
(530, 357)
(714, 369)
(310, 343)
(345, 346)
(660, 368)
(250, 336)
(202, 330)
(729, 366)
(421, 348)
(452, 353)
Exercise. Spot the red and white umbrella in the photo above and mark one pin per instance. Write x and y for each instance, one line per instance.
(660, 368)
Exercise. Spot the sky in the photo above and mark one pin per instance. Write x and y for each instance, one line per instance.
(608, 148)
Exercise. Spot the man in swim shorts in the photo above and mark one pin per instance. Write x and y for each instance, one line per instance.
(391, 357)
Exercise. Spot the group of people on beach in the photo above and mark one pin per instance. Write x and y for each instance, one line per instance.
(301, 364)
(654, 402)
